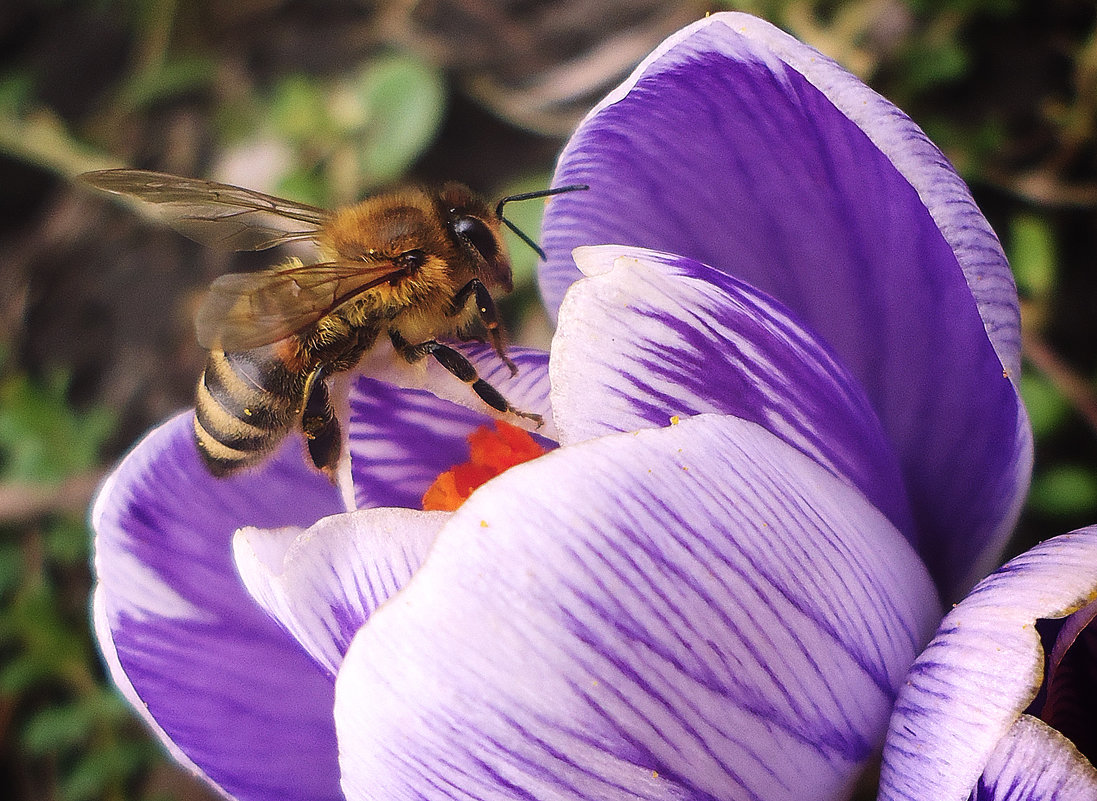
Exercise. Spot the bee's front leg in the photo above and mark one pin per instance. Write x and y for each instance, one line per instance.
(459, 366)
(489, 316)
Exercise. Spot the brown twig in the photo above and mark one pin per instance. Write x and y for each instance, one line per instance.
(21, 501)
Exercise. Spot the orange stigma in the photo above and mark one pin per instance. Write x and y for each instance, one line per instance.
(491, 452)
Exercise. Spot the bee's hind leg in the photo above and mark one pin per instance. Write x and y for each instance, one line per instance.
(320, 424)
(457, 364)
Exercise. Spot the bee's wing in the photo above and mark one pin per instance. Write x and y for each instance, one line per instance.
(246, 310)
(215, 214)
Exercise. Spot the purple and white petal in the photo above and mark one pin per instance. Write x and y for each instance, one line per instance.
(409, 423)
(740, 46)
(402, 439)
(227, 688)
(669, 610)
(1033, 762)
(528, 390)
(323, 583)
(982, 670)
(944, 193)
(650, 335)
(741, 148)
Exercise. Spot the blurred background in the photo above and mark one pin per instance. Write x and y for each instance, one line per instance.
(326, 100)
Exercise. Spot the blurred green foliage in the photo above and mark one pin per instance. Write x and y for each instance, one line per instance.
(42, 439)
(165, 80)
(77, 735)
(1047, 408)
(352, 134)
(1033, 257)
(1064, 490)
(1060, 490)
(339, 134)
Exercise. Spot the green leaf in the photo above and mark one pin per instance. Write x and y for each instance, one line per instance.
(68, 542)
(1047, 408)
(1032, 253)
(302, 183)
(16, 92)
(58, 727)
(41, 437)
(48, 646)
(1066, 490)
(173, 77)
(402, 102)
(67, 725)
(95, 771)
(11, 568)
(21, 674)
(297, 109)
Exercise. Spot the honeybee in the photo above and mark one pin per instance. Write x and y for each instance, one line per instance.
(416, 265)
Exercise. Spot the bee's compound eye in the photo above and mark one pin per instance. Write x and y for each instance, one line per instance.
(411, 260)
(476, 232)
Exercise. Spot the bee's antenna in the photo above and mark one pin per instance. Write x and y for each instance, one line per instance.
(559, 190)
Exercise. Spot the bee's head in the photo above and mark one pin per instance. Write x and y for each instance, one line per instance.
(472, 224)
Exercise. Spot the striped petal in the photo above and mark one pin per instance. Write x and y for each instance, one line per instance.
(982, 671)
(323, 583)
(649, 336)
(699, 611)
(1035, 763)
(739, 147)
(408, 423)
(229, 692)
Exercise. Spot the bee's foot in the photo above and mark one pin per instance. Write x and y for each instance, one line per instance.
(536, 418)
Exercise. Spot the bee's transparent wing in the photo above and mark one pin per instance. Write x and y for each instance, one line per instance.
(215, 214)
(246, 310)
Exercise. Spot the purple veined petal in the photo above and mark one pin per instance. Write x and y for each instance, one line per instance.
(105, 640)
(1035, 763)
(650, 335)
(323, 583)
(982, 671)
(402, 439)
(1072, 628)
(227, 688)
(527, 391)
(739, 147)
(699, 611)
(738, 47)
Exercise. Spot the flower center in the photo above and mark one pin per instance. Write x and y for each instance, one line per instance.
(491, 452)
(1069, 701)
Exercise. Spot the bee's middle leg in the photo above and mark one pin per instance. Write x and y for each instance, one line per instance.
(459, 366)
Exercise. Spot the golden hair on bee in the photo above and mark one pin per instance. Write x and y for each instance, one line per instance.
(415, 265)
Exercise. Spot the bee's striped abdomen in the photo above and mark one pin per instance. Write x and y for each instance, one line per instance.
(246, 403)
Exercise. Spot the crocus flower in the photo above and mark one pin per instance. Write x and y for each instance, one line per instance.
(781, 423)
